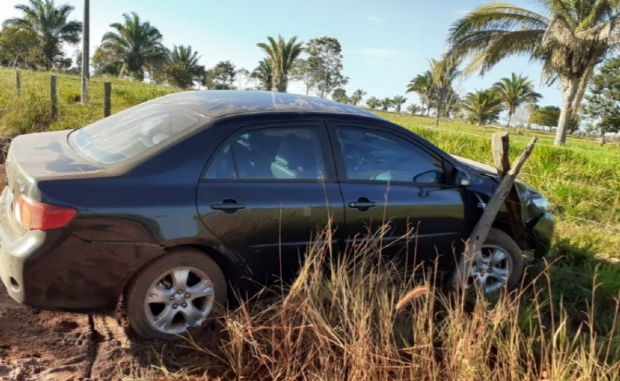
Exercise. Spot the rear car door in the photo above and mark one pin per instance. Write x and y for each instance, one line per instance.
(389, 178)
(266, 190)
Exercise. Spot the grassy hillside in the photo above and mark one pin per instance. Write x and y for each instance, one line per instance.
(32, 110)
(582, 180)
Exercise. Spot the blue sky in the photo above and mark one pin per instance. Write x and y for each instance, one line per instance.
(385, 43)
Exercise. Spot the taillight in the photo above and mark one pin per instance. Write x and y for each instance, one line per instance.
(35, 215)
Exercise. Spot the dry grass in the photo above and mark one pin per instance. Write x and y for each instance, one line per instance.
(354, 318)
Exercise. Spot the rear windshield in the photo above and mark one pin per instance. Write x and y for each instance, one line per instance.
(134, 131)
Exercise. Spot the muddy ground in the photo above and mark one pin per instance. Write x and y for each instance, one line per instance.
(42, 345)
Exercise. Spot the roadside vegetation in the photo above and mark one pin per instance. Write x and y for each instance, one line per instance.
(343, 323)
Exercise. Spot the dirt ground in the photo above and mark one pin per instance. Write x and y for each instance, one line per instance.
(42, 345)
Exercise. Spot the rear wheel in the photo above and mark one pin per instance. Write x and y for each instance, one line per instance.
(497, 265)
(174, 293)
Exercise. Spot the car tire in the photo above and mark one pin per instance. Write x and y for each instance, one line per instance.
(497, 245)
(174, 293)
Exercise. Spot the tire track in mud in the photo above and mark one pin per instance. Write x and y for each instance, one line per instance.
(44, 346)
(40, 345)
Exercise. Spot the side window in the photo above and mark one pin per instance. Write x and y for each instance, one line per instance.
(223, 166)
(271, 153)
(380, 156)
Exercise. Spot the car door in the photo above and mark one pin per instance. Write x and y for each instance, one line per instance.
(390, 180)
(266, 190)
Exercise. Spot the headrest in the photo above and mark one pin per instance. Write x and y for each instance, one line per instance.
(291, 151)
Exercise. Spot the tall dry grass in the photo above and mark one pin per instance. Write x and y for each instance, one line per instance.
(354, 317)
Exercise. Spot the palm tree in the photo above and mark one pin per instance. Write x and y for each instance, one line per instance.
(386, 103)
(282, 55)
(414, 109)
(51, 26)
(182, 68)
(264, 74)
(482, 106)
(340, 95)
(398, 101)
(452, 102)
(443, 73)
(515, 91)
(422, 85)
(570, 38)
(357, 97)
(137, 44)
(372, 103)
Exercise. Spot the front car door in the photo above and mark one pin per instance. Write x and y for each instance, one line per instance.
(266, 190)
(389, 178)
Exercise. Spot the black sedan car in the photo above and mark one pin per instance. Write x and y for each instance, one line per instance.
(173, 203)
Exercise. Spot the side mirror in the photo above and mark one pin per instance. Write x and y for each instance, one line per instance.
(429, 177)
(461, 177)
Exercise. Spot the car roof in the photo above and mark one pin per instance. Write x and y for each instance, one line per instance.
(220, 103)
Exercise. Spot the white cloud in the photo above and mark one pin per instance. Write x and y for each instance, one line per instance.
(372, 19)
(381, 53)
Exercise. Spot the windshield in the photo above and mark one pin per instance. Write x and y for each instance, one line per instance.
(133, 131)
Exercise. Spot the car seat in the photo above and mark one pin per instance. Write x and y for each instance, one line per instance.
(294, 159)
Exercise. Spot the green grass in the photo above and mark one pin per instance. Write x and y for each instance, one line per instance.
(582, 181)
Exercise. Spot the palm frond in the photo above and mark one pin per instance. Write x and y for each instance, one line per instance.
(488, 48)
(496, 16)
(562, 8)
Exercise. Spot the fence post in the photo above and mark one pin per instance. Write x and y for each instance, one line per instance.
(107, 95)
(18, 83)
(54, 96)
(500, 145)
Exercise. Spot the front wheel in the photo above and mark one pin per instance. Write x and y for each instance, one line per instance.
(497, 265)
(174, 293)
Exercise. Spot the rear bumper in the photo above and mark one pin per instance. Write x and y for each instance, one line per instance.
(57, 271)
(13, 257)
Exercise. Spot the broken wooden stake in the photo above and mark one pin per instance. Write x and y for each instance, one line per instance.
(500, 145)
(481, 230)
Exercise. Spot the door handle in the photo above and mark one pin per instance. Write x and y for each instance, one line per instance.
(362, 204)
(228, 205)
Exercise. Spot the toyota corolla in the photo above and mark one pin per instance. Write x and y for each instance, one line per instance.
(172, 204)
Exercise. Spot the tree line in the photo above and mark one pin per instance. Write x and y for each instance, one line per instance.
(134, 48)
(569, 37)
(600, 113)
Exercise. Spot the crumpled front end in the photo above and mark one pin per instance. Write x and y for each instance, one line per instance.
(539, 222)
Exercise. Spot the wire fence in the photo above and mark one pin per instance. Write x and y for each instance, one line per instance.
(513, 139)
(68, 88)
(570, 182)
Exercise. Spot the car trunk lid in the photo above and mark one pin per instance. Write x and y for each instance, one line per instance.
(32, 159)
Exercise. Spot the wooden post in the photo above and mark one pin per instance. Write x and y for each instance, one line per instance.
(500, 144)
(18, 83)
(107, 95)
(481, 230)
(54, 96)
(85, 52)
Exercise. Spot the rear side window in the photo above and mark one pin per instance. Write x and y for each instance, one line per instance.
(270, 154)
(223, 166)
(134, 131)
